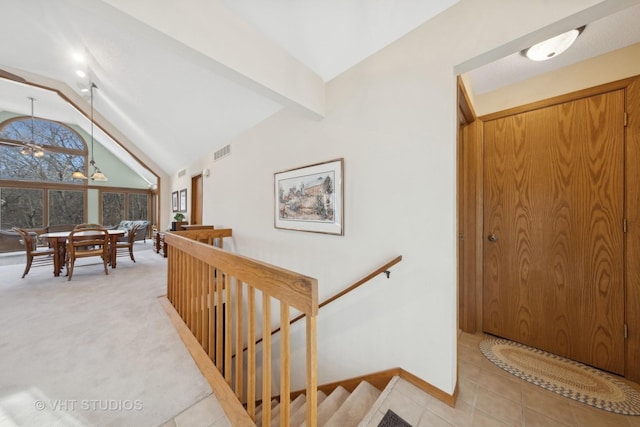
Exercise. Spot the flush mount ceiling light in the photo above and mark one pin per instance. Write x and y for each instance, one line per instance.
(30, 147)
(552, 47)
(97, 173)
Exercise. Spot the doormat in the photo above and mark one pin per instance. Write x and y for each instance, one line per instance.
(391, 419)
(563, 376)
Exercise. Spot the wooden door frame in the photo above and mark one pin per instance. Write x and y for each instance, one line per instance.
(469, 210)
(467, 217)
(196, 197)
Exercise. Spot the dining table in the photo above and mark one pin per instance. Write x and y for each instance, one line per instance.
(58, 241)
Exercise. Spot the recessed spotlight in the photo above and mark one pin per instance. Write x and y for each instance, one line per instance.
(78, 57)
(81, 74)
(84, 90)
(552, 47)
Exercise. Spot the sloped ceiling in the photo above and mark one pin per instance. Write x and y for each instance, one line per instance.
(181, 79)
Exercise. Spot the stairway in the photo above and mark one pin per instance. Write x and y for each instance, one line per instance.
(338, 409)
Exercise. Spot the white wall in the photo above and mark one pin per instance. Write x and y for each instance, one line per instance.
(393, 120)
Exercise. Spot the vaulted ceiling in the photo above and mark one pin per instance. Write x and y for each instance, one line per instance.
(181, 79)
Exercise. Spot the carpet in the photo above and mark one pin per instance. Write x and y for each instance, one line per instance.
(563, 376)
(98, 350)
(391, 419)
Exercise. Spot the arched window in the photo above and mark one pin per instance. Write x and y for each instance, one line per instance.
(64, 151)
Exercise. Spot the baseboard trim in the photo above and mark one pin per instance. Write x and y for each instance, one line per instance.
(449, 399)
(381, 379)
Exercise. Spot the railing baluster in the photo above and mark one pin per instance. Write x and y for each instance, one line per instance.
(312, 372)
(198, 297)
(285, 367)
(251, 352)
(266, 359)
(211, 284)
(190, 298)
(220, 307)
(227, 334)
(239, 381)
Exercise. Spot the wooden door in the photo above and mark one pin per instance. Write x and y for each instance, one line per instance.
(196, 199)
(553, 225)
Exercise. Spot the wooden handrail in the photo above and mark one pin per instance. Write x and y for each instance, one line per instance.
(206, 284)
(383, 269)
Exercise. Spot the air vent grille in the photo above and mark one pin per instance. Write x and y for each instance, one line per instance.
(182, 172)
(223, 152)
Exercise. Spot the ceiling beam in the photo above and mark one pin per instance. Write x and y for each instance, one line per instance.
(209, 34)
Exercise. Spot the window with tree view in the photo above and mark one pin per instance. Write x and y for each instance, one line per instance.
(64, 151)
(115, 205)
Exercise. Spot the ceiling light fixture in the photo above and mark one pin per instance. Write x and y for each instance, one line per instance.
(97, 173)
(552, 47)
(30, 147)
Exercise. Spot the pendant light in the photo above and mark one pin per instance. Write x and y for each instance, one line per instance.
(30, 147)
(97, 173)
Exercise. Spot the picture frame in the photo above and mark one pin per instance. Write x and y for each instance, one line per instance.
(310, 198)
(183, 200)
(174, 201)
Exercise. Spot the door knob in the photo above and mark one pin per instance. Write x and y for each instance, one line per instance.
(492, 238)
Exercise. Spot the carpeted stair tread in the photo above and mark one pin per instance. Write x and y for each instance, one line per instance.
(355, 407)
(299, 416)
(274, 403)
(330, 405)
(275, 409)
(293, 406)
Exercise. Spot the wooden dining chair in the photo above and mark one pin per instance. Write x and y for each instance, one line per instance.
(36, 255)
(94, 243)
(79, 226)
(125, 246)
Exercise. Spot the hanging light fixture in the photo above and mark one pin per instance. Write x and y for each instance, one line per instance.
(30, 147)
(97, 173)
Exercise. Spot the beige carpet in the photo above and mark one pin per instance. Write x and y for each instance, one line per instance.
(96, 351)
(563, 376)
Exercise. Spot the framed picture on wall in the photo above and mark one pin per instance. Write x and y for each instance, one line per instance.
(310, 198)
(174, 201)
(183, 200)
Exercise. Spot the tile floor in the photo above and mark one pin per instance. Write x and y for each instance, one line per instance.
(488, 396)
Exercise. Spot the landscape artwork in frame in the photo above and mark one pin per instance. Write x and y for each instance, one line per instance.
(183, 200)
(174, 201)
(310, 198)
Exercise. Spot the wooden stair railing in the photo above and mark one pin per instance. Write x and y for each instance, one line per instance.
(207, 286)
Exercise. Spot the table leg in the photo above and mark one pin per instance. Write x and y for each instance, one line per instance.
(114, 250)
(58, 256)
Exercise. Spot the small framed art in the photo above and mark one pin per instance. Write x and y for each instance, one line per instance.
(310, 198)
(174, 201)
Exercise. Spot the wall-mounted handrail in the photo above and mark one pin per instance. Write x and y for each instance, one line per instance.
(384, 269)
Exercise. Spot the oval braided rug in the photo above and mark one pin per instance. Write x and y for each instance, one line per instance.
(563, 376)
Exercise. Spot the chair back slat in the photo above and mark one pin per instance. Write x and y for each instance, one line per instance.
(87, 242)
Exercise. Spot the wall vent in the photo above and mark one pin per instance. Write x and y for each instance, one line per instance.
(223, 152)
(182, 172)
